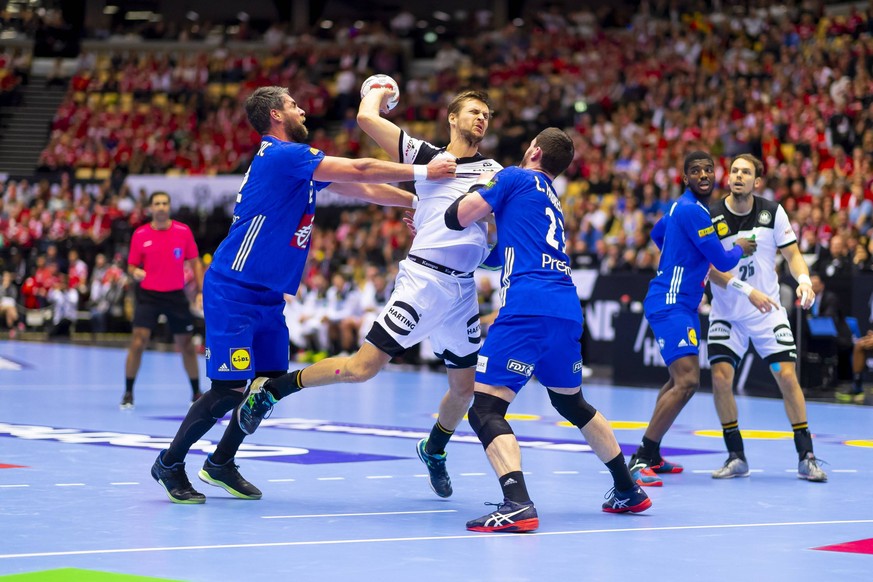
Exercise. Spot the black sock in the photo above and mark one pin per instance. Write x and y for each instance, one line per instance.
(733, 439)
(621, 476)
(284, 385)
(858, 382)
(195, 385)
(802, 439)
(438, 439)
(648, 451)
(128, 385)
(229, 444)
(202, 416)
(514, 488)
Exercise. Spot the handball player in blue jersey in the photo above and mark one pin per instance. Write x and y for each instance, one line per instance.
(536, 331)
(689, 245)
(261, 259)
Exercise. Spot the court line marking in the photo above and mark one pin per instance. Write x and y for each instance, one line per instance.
(69, 484)
(13, 486)
(331, 478)
(360, 514)
(125, 483)
(380, 476)
(279, 480)
(428, 538)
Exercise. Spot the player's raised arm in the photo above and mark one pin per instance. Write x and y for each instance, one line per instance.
(373, 171)
(383, 131)
(381, 194)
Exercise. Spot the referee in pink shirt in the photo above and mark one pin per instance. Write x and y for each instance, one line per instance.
(158, 253)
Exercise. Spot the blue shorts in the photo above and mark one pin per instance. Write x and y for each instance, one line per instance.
(518, 346)
(677, 331)
(245, 329)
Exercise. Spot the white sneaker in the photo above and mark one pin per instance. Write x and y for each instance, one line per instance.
(733, 467)
(808, 469)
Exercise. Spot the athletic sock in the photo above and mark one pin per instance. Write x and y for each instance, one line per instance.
(733, 439)
(648, 451)
(514, 488)
(128, 385)
(202, 415)
(858, 383)
(438, 439)
(621, 477)
(802, 439)
(284, 385)
(195, 385)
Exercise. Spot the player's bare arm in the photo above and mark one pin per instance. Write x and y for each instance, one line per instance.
(466, 210)
(381, 194)
(800, 272)
(384, 132)
(373, 171)
(762, 302)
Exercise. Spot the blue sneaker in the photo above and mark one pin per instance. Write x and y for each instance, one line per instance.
(665, 466)
(509, 517)
(175, 482)
(634, 500)
(436, 468)
(257, 406)
(642, 474)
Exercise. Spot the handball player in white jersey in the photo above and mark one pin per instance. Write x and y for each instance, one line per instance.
(434, 293)
(761, 320)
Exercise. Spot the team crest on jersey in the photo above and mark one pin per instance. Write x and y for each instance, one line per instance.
(300, 240)
(177, 253)
(692, 336)
(764, 217)
(314, 151)
(722, 229)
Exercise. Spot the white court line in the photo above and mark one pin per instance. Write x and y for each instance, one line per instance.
(380, 476)
(473, 474)
(69, 484)
(705, 471)
(844, 470)
(12, 486)
(565, 472)
(480, 536)
(125, 483)
(359, 514)
(331, 478)
(279, 480)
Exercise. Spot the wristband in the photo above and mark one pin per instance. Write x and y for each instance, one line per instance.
(740, 286)
(419, 172)
(804, 280)
(414, 201)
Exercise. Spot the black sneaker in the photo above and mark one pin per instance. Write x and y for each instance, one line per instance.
(228, 478)
(175, 482)
(634, 500)
(257, 406)
(436, 468)
(126, 401)
(509, 517)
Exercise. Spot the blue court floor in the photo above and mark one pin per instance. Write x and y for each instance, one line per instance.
(345, 497)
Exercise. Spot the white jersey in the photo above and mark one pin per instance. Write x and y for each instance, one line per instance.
(434, 198)
(769, 224)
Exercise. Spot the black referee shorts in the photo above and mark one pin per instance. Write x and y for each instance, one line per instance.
(151, 304)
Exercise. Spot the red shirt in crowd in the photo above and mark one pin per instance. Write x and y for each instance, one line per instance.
(162, 254)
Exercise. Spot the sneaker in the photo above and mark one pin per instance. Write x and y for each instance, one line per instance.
(228, 478)
(175, 482)
(509, 516)
(850, 397)
(436, 468)
(665, 466)
(634, 500)
(126, 401)
(642, 474)
(257, 406)
(809, 469)
(733, 467)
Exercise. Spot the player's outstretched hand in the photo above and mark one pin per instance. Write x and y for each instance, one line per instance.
(762, 302)
(806, 295)
(748, 245)
(441, 168)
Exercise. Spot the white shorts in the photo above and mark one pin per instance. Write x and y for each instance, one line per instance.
(769, 333)
(427, 303)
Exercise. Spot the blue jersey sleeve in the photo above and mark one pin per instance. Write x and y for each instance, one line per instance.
(297, 161)
(497, 189)
(658, 232)
(699, 228)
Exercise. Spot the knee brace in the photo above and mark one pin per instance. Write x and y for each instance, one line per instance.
(573, 407)
(222, 398)
(487, 417)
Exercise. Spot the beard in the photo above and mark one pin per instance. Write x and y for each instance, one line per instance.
(296, 131)
(467, 136)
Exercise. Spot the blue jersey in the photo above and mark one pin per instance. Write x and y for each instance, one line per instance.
(269, 239)
(689, 245)
(530, 236)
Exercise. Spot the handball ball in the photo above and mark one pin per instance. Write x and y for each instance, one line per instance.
(379, 81)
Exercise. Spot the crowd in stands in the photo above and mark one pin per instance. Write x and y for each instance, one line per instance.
(782, 81)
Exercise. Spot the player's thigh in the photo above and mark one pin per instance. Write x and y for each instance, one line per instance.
(457, 337)
(560, 362)
(772, 337)
(509, 355)
(677, 331)
(726, 341)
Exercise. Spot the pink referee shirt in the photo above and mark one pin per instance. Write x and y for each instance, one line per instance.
(162, 254)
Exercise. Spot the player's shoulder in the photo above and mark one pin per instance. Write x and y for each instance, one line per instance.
(762, 203)
(718, 207)
(766, 212)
